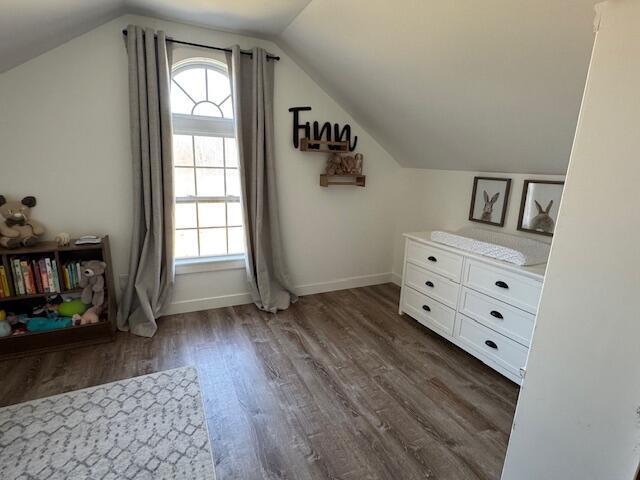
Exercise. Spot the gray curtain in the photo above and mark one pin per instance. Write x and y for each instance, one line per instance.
(252, 90)
(151, 262)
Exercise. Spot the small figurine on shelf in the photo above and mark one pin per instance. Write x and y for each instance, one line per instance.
(63, 239)
(344, 164)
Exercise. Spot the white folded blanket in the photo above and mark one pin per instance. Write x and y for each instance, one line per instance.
(502, 246)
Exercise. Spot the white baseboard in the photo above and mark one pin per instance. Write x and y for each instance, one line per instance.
(198, 304)
(396, 278)
(187, 306)
(343, 284)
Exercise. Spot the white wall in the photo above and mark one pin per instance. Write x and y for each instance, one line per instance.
(64, 137)
(579, 408)
(440, 199)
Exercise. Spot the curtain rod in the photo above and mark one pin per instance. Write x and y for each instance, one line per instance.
(199, 45)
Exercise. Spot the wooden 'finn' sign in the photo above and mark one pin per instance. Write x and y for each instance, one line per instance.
(316, 132)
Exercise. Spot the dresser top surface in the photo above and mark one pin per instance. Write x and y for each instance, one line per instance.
(532, 271)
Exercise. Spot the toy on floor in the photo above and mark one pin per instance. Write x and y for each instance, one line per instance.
(92, 280)
(16, 225)
(5, 328)
(92, 315)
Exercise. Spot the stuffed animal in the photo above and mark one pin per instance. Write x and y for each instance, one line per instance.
(71, 308)
(44, 324)
(92, 315)
(16, 225)
(92, 280)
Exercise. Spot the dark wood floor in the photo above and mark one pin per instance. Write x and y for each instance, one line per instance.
(339, 386)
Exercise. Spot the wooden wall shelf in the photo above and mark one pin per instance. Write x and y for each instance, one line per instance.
(32, 343)
(323, 146)
(354, 180)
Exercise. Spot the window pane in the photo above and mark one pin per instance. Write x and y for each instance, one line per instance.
(209, 151)
(219, 87)
(210, 182)
(233, 182)
(180, 103)
(231, 152)
(211, 214)
(236, 240)
(213, 241)
(234, 214)
(227, 108)
(186, 215)
(182, 150)
(193, 82)
(184, 184)
(206, 109)
(186, 243)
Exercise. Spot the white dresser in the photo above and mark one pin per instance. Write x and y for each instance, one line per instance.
(486, 307)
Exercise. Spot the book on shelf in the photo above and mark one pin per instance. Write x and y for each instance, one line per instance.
(4, 283)
(17, 277)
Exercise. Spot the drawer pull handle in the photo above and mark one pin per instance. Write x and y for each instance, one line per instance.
(501, 284)
(491, 344)
(432, 259)
(496, 314)
(429, 284)
(426, 308)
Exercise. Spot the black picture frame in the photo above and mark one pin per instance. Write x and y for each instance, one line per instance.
(543, 209)
(473, 217)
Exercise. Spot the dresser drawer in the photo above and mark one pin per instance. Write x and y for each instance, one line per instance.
(436, 286)
(514, 289)
(503, 351)
(427, 311)
(511, 322)
(439, 261)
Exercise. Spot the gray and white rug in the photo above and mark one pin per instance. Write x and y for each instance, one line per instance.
(149, 427)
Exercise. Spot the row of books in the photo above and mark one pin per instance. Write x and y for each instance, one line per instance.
(32, 276)
(71, 275)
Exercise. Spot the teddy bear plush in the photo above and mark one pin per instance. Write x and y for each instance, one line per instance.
(92, 281)
(16, 225)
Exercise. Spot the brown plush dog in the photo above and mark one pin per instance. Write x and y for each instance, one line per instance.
(16, 225)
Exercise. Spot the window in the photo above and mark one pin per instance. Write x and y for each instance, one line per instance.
(207, 184)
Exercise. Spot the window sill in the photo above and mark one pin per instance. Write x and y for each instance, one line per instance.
(209, 264)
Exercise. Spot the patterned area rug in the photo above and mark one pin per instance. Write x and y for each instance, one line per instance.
(149, 427)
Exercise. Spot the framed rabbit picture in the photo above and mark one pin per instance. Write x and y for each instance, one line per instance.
(539, 206)
(489, 200)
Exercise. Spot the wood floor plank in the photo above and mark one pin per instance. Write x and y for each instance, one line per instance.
(337, 387)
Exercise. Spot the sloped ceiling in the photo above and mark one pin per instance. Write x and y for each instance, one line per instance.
(31, 27)
(491, 85)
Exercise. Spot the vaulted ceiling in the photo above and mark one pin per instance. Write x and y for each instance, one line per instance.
(461, 84)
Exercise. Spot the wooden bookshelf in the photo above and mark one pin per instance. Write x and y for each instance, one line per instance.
(32, 343)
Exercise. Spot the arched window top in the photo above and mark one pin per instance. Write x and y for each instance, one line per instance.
(201, 87)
